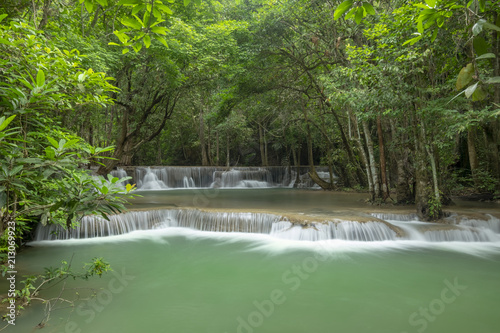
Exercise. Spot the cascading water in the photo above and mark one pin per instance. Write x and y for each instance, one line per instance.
(274, 225)
(160, 178)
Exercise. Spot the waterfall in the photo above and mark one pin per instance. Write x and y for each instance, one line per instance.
(120, 173)
(160, 178)
(346, 230)
(274, 225)
(492, 223)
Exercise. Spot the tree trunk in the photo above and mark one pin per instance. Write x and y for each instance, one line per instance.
(45, 14)
(371, 158)
(209, 147)
(263, 156)
(158, 152)
(471, 147)
(204, 157)
(364, 159)
(296, 161)
(403, 193)
(227, 151)
(383, 176)
(217, 148)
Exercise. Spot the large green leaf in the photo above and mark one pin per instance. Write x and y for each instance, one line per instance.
(479, 94)
(186, 2)
(360, 13)
(342, 8)
(369, 8)
(89, 5)
(40, 78)
(161, 40)
(465, 76)
(5, 122)
(486, 56)
(480, 45)
(159, 30)
(53, 142)
(147, 41)
(132, 22)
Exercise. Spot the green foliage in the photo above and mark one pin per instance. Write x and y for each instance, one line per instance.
(41, 179)
(33, 286)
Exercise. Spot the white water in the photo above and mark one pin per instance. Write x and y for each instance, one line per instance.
(161, 178)
(274, 225)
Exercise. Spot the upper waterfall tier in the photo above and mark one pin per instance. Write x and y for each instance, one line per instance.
(158, 178)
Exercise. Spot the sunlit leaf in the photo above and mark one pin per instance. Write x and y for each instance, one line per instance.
(486, 56)
(342, 8)
(465, 76)
(40, 78)
(492, 80)
(147, 41)
(470, 90)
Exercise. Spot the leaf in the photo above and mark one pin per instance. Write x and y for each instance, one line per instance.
(137, 9)
(121, 36)
(186, 2)
(111, 43)
(125, 51)
(147, 41)
(434, 34)
(351, 13)
(161, 40)
(5, 122)
(132, 22)
(359, 15)
(159, 30)
(480, 24)
(431, 3)
(89, 5)
(470, 90)
(129, 2)
(493, 80)
(5, 15)
(165, 9)
(15, 170)
(490, 26)
(342, 8)
(465, 76)
(40, 78)
(486, 56)
(104, 190)
(137, 47)
(480, 45)
(5, 41)
(369, 8)
(479, 94)
(102, 2)
(53, 142)
(413, 40)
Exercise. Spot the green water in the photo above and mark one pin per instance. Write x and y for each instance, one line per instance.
(187, 281)
(180, 280)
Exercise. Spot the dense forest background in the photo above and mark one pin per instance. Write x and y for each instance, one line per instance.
(400, 95)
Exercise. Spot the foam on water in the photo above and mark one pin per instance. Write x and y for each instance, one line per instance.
(272, 245)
